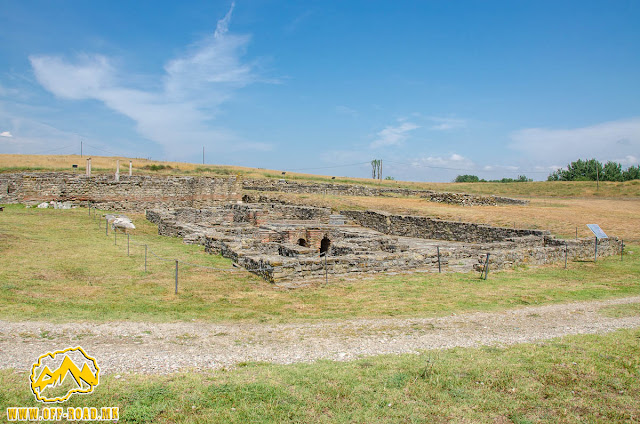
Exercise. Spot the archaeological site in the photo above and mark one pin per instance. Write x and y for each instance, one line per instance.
(292, 244)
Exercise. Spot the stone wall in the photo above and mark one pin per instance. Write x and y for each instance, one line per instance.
(436, 229)
(265, 239)
(129, 193)
(285, 186)
(553, 251)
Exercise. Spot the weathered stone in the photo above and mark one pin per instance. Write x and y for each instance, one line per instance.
(283, 186)
(130, 193)
(281, 247)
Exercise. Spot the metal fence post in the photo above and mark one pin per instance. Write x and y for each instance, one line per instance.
(486, 267)
(621, 250)
(439, 268)
(176, 277)
(326, 276)
(595, 257)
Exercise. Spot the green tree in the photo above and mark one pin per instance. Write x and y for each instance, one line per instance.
(580, 170)
(632, 173)
(466, 179)
(612, 172)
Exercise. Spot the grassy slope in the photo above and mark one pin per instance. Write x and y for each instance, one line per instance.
(574, 379)
(629, 189)
(58, 265)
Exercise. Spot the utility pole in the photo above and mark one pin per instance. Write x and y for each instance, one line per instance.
(597, 178)
(80, 148)
(203, 155)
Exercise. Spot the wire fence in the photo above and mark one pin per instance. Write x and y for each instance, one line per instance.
(179, 263)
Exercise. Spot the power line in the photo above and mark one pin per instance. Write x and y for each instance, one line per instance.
(52, 150)
(329, 167)
(467, 169)
(102, 150)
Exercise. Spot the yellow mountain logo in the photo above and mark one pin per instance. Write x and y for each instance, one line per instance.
(49, 382)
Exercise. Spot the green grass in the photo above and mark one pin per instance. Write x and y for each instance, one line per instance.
(619, 311)
(59, 266)
(69, 272)
(593, 378)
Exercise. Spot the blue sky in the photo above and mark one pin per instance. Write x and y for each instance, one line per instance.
(433, 88)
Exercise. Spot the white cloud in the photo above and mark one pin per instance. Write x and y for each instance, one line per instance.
(178, 116)
(443, 124)
(628, 160)
(393, 136)
(604, 141)
(5, 134)
(454, 161)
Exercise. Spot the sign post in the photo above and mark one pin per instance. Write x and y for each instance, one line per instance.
(597, 231)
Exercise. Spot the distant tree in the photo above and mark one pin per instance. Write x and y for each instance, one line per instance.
(590, 170)
(632, 173)
(466, 179)
(612, 172)
(580, 170)
(389, 178)
(520, 179)
(376, 167)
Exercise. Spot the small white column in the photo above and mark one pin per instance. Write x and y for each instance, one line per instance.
(118, 170)
(130, 169)
(88, 169)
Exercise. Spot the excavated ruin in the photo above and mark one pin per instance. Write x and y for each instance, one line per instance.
(298, 244)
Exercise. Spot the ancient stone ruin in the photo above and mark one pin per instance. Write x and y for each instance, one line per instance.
(297, 244)
(293, 244)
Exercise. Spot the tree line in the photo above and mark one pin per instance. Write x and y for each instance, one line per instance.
(580, 170)
(474, 179)
(592, 170)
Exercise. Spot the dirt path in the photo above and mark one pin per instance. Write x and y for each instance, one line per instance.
(162, 348)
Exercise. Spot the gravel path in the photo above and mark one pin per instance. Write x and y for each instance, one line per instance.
(167, 347)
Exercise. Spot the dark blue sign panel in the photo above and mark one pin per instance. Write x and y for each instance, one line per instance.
(597, 231)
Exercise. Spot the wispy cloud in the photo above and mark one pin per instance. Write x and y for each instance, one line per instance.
(393, 135)
(628, 160)
(608, 140)
(443, 124)
(180, 116)
(453, 161)
(293, 26)
(5, 134)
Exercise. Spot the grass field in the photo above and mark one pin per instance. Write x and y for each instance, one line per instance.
(58, 265)
(101, 164)
(575, 379)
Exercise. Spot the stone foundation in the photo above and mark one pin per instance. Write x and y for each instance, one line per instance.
(129, 193)
(287, 186)
(294, 245)
(429, 228)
